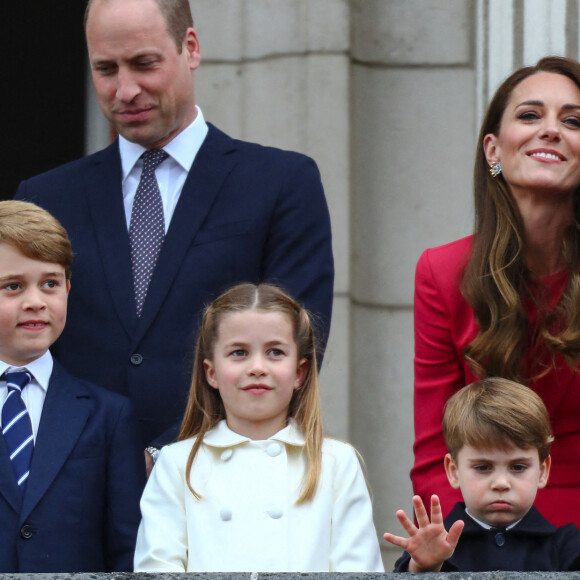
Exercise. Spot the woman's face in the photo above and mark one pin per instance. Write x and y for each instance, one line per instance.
(539, 138)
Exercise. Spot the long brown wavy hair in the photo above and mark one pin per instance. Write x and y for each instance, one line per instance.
(496, 280)
(205, 408)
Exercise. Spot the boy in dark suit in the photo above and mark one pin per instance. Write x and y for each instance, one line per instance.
(71, 466)
(498, 435)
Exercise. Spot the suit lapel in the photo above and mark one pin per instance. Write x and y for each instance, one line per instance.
(213, 163)
(8, 486)
(64, 415)
(105, 197)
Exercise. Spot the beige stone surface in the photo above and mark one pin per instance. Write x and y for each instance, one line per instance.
(382, 406)
(335, 373)
(327, 141)
(396, 32)
(219, 93)
(274, 27)
(411, 189)
(328, 25)
(220, 28)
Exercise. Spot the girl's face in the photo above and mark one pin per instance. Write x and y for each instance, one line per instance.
(538, 143)
(256, 369)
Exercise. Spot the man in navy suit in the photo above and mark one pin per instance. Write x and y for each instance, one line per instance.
(71, 463)
(233, 212)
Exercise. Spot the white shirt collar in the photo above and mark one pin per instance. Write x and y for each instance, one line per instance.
(222, 436)
(40, 368)
(182, 148)
(487, 526)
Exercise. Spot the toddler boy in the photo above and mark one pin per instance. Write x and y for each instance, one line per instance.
(498, 435)
(71, 467)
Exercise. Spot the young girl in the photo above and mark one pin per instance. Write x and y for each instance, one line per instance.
(252, 485)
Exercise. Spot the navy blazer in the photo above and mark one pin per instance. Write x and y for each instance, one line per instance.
(80, 510)
(534, 544)
(246, 213)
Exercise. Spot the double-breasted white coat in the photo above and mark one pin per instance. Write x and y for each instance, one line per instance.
(247, 519)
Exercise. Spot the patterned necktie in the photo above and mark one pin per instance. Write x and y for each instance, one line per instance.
(147, 227)
(17, 427)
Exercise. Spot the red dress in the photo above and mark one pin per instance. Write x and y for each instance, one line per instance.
(444, 326)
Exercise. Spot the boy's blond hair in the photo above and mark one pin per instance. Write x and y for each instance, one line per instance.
(493, 414)
(35, 233)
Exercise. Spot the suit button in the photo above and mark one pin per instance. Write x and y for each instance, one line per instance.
(26, 531)
(273, 449)
(136, 359)
(499, 539)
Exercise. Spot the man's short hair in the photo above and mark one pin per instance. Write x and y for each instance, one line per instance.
(495, 413)
(176, 13)
(35, 233)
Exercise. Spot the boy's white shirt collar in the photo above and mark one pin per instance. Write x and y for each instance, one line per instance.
(487, 526)
(222, 436)
(182, 148)
(40, 368)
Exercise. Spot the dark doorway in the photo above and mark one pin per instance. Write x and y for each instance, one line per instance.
(43, 94)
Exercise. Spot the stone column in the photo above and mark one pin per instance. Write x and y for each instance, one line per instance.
(413, 106)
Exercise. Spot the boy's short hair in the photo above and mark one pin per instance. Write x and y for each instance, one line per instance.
(493, 414)
(35, 233)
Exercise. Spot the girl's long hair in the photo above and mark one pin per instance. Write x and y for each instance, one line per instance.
(205, 408)
(496, 279)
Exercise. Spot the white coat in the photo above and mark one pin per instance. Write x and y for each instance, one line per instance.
(247, 519)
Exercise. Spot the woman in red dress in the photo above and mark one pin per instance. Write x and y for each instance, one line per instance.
(506, 301)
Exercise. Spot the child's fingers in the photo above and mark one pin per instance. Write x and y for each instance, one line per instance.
(455, 532)
(436, 513)
(420, 512)
(396, 540)
(407, 524)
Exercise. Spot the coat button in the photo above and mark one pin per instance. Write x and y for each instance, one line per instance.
(226, 514)
(226, 454)
(26, 531)
(136, 359)
(499, 539)
(273, 449)
(275, 513)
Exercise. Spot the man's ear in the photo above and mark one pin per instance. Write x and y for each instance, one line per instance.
(451, 471)
(191, 47)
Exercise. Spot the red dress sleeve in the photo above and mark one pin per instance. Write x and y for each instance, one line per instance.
(444, 324)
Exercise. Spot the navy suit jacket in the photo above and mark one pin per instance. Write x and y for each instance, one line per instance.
(80, 510)
(246, 213)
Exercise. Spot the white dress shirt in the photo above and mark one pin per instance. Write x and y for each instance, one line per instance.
(247, 518)
(171, 174)
(34, 393)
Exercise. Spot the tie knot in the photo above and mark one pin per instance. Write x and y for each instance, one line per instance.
(17, 380)
(152, 158)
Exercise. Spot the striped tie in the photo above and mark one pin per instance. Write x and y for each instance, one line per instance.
(17, 427)
(147, 225)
